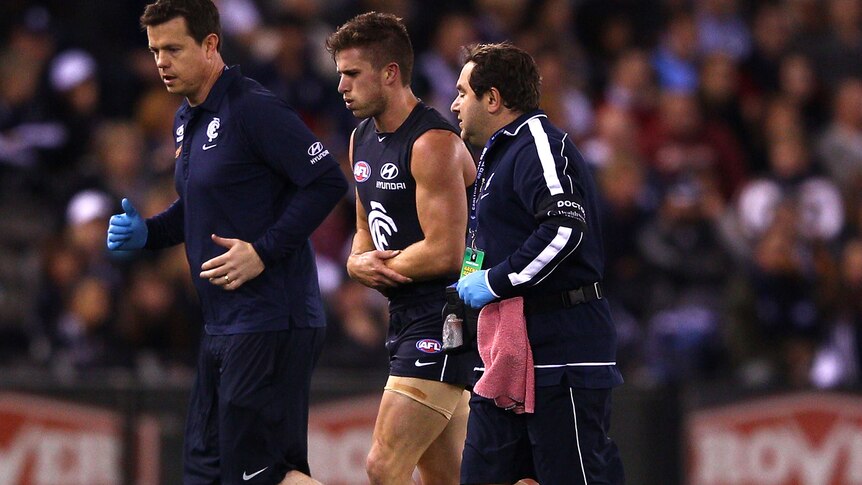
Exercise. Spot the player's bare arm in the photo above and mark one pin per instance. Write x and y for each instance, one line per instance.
(442, 168)
(366, 264)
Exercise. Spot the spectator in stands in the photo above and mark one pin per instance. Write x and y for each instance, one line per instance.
(86, 334)
(686, 259)
(725, 101)
(777, 320)
(681, 145)
(675, 58)
(840, 146)
(772, 34)
(438, 67)
(792, 182)
(838, 48)
(722, 29)
(632, 87)
(799, 84)
(153, 320)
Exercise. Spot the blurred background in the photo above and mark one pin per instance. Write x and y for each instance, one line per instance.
(726, 139)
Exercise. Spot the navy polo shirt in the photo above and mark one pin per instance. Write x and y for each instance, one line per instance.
(248, 168)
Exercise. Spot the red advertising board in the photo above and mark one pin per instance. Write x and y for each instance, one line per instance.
(339, 437)
(50, 442)
(800, 439)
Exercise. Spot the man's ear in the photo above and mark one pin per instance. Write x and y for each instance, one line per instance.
(391, 72)
(211, 43)
(495, 101)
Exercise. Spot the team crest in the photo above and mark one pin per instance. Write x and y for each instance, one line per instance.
(382, 226)
(212, 129)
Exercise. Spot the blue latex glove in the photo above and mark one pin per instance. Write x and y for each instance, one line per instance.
(128, 230)
(474, 290)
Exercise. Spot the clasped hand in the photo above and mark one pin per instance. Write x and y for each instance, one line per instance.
(369, 268)
(234, 268)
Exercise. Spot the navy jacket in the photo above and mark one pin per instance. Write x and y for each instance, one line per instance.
(248, 168)
(536, 218)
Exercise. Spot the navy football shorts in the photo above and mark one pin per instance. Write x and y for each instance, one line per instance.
(564, 442)
(415, 344)
(248, 416)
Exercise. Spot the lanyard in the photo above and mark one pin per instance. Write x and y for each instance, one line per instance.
(478, 187)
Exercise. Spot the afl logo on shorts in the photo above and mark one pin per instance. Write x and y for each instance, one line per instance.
(361, 171)
(429, 346)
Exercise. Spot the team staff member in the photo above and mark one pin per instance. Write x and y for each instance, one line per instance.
(253, 183)
(534, 223)
(412, 172)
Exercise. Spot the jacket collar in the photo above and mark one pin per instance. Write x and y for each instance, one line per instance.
(514, 127)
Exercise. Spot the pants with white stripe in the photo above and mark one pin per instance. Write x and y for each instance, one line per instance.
(564, 442)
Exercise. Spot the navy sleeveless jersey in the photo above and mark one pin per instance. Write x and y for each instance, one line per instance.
(387, 190)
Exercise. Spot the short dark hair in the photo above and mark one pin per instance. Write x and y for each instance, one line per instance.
(383, 35)
(508, 68)
(202, 17)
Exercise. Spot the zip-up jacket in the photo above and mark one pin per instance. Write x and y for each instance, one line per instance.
(537, 222)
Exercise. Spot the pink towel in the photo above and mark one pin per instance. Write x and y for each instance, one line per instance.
(509, 378)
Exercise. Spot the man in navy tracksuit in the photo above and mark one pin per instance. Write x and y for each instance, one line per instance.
(253, 183)
(534, 226)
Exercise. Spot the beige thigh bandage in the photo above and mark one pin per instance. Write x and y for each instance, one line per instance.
(442, 397)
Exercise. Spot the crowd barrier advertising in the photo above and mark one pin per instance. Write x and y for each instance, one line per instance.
(53, 442)
(339, 437)
(797, 439)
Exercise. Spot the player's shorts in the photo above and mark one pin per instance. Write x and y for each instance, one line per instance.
(415, 344)
(248, 416)
(565, 442)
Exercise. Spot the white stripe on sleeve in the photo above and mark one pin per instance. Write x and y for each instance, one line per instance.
(544, 258)
(543, 147)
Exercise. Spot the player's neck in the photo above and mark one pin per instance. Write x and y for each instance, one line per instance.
(397, 110)
(215, 71)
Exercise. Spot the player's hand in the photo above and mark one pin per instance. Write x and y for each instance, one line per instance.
(474, 290)
(127, 230)
(369, 269)
(235, 267)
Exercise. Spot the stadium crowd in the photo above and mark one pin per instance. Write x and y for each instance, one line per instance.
(725, 135)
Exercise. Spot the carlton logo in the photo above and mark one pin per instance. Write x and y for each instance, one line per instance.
(382, 226)
(429, 346)
(361, 171)
(212, 129)
(804, 439)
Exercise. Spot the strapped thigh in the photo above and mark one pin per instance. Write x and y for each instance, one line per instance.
(439, 396)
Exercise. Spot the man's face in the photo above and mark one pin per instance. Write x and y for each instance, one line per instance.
(182, 62)
(360, 85)
(471, 110)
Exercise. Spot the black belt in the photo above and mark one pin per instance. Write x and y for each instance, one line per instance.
(564, 299)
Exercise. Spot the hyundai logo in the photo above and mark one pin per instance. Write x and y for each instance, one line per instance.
(389, 171)
(315, 148)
